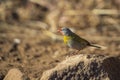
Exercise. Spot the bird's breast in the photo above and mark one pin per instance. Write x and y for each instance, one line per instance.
(69, 41)
(66, 39)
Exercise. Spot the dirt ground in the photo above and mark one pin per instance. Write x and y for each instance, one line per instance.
(34, 49)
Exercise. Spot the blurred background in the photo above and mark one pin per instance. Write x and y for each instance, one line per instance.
(28, 31)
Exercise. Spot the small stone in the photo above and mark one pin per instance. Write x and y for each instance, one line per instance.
(14, 74)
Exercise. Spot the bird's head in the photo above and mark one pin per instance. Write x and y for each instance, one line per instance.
(65, 31)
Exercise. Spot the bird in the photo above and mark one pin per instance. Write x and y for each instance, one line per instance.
(74, 41)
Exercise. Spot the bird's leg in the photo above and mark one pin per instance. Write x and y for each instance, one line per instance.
(73, 53)
(76, 52)
(70, 54)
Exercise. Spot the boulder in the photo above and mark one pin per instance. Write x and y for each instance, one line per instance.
(85, 67)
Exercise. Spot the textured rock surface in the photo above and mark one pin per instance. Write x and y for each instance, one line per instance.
(85, 67)
(14, 74)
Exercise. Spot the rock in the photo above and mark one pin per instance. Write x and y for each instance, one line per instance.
(14, 74)
(85, 67)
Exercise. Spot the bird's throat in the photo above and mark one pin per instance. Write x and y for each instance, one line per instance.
(66, 39)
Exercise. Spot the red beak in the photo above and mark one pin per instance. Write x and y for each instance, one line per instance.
(59, 30)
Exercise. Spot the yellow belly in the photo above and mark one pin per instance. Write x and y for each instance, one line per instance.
(66, 39)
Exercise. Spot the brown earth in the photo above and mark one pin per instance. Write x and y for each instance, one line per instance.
(28, 38)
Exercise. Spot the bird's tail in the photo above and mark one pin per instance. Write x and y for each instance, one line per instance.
(98, 46)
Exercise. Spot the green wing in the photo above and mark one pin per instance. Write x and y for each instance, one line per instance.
(79, 39)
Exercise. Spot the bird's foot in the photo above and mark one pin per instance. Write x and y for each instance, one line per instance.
(72, 54)
(75, 53)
